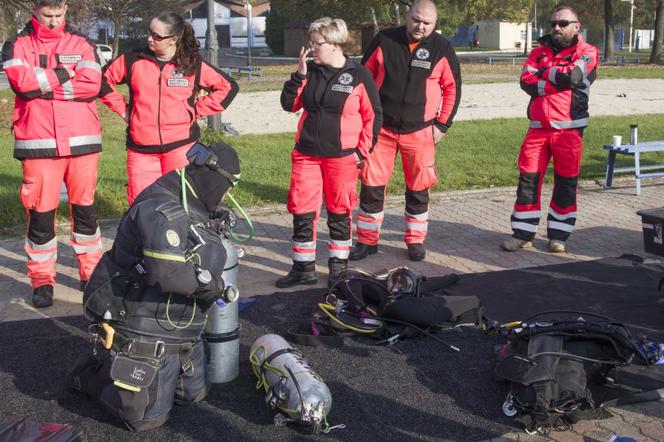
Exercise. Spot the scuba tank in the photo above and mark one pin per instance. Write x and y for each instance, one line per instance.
(222, 329)
(290, 384)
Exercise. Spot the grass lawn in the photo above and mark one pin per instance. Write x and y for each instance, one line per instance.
(474, 154)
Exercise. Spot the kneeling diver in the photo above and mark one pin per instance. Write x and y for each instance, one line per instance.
(149, 294)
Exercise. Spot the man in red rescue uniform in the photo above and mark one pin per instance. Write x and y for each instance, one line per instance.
(557, 76)
(56, 75)
(419, 81)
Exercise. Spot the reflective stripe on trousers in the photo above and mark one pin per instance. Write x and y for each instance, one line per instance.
(368, 227)
(40, 191)
(416, 227)
(538, 148)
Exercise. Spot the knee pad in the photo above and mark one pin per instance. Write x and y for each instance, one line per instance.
(339, 225)
(303, 227)
(42, 226)
(85, 219)
(417, 201)
(564, 191)
(528, 188)
(372, 198)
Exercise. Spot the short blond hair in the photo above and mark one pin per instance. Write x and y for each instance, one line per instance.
(332, 30)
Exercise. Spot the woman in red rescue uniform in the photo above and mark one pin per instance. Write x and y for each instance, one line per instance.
(339, 125)
(164, 82)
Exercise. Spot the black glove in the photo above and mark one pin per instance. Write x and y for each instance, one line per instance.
(208, 286)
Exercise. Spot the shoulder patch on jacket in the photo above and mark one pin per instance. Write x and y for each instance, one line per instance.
(173, 238)
(171, 210)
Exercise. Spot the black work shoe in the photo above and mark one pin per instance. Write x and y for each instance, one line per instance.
(297, 277)
(336, 267)
(82, 286)
(42, 296)
(361, 251)
(416, 251)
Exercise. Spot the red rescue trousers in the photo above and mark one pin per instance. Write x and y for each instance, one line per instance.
(144, 169)
(311, 179)
(418, 157)
(40, 194)
(538, 147)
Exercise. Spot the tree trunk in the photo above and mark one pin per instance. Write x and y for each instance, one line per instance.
(656, 54)
(116, 35)
(608, 28)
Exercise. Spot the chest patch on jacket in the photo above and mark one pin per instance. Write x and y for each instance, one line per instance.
(178, 82)
(341, 88)
(419, 61)
(69, 59)
(343, 84)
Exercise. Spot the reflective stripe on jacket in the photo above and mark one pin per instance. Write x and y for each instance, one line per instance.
(164, 103)
(558, 82)
(54, 115)
(417, 89)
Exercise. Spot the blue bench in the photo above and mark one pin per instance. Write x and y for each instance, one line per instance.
(506, 60)
(246, 71)
(634, 150)
(620, 60)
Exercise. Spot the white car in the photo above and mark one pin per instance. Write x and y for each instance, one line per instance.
(105, 53)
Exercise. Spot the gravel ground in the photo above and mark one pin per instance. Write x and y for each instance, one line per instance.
(261, 113)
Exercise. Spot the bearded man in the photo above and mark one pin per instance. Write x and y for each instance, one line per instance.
(557, 76)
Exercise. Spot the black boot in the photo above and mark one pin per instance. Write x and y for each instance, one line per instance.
(302, 273)
(336, 267)
(416, 251)
(361, 251)
(42, 296)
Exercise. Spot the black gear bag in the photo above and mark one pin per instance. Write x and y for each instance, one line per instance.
(552, 359)
(392, 306)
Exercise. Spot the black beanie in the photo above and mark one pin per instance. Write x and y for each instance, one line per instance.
(209, 184)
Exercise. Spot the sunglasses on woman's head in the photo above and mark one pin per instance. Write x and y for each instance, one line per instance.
(157, 37)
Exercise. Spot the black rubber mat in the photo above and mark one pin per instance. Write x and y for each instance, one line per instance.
(416, 390)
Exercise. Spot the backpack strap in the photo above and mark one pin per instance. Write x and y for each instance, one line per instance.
(315, 334)
(435, 284)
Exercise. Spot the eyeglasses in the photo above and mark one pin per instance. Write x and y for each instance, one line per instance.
(157, 37)
(314, 45)
(561, 23)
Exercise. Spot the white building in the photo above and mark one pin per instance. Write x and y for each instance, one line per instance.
(503, 35)
(643, 38)
(101, 31)
(231, 22)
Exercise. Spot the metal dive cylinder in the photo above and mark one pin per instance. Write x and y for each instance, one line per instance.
(222, 329)
(290, 384)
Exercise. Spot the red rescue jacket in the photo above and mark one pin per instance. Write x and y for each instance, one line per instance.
(342, 112)
(164, 103)
(54, 115)
(417, 89)
(558, 82)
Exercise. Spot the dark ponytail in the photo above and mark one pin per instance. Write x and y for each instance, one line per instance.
(186, 48)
